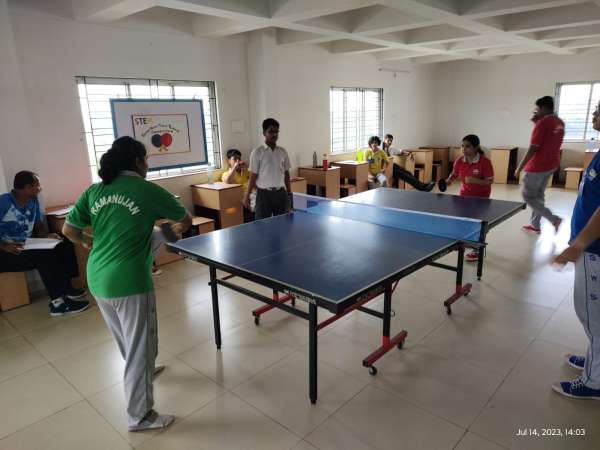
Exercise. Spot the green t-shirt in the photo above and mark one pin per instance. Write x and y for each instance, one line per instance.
(122, 216)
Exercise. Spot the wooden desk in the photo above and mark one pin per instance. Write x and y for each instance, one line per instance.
(504, 162)
(219, 201)
(407, 163)
(298, 184)
(442, 155)
(356, 171)
(55, 224)
(328, 179)
(588, 156)
(424, 156)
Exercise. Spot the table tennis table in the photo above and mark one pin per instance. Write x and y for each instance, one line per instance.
(339, 255)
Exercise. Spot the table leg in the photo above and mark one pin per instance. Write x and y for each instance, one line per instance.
(460, 289)
(387, 343)
(215, 305)
(312, 351)
(480, 263)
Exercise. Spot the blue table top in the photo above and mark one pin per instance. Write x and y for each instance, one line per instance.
(333, 251)
(486, 209)
(328, 258)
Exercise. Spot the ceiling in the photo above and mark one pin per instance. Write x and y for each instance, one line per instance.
(416, 31)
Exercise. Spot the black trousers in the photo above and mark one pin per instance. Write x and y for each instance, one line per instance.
(400, 173)
(56, 267)
(270, 203)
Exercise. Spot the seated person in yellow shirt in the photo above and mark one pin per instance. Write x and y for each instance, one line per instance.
(377, 160)
(238, 174)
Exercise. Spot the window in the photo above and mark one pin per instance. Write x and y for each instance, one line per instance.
(94, 97)
(356, 115)
(576, 104)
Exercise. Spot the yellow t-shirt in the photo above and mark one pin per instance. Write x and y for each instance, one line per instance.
(376, 160)
(242, 177)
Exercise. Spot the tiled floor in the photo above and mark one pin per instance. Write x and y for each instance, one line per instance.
(467, 381)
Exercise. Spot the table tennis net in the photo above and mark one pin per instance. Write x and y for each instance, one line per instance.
(462, 229)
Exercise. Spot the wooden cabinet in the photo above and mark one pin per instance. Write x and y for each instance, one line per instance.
(441, 155)
(328, 179)
(298, 184)
(357, 173)
(504, 162)
(219, 201)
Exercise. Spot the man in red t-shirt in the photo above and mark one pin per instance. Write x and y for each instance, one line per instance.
(541, 161)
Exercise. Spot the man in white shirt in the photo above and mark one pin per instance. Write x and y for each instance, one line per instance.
(270, 174)
(400, 173)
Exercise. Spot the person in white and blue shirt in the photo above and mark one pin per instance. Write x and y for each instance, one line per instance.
(584, 251)
(21, 218)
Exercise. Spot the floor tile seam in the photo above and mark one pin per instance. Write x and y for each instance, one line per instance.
(500, 385)
(43, 418)
(47, 361)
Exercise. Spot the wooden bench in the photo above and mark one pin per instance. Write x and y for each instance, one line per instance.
(201, 225)
(573, 177)
(347, 189)
(13, 290)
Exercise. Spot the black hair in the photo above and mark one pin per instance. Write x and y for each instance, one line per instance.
(545, 102)
(384, 146)
(233, 152)
(473, 139)
(24, 178)
(123, 155)
(374, 139)
(270, 122)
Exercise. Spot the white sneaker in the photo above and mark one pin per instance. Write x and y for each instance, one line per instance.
(153, 421)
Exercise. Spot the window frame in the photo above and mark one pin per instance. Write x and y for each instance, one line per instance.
(361, 127)
(155, 85)
(590, 109)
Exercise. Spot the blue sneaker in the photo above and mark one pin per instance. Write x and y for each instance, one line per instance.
(63, 306)
(576, 389)
(575, 361)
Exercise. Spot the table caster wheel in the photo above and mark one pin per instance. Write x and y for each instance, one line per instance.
(448, 310)
(400, 345)
(256, 320)
(372, 370)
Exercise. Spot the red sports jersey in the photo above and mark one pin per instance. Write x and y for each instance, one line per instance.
(548, 134)
(481, 168)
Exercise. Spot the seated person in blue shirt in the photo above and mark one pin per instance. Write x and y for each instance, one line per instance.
(584, 251)
(20, 218)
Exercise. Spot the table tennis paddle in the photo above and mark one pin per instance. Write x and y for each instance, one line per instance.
(168, 232)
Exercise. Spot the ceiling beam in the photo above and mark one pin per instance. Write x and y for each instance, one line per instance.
(108, 10)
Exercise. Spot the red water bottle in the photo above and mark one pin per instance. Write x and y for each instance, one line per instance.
(325, 162)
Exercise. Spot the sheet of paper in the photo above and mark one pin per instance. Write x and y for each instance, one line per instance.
(40, 243)
(60, 212)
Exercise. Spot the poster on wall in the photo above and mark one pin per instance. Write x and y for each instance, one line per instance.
(173, 131)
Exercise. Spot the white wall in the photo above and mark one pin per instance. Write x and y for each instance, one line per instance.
(494, 99)
(3, 183)
(53, 50)
(292, 84)
(255, 79)
(16, 150)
